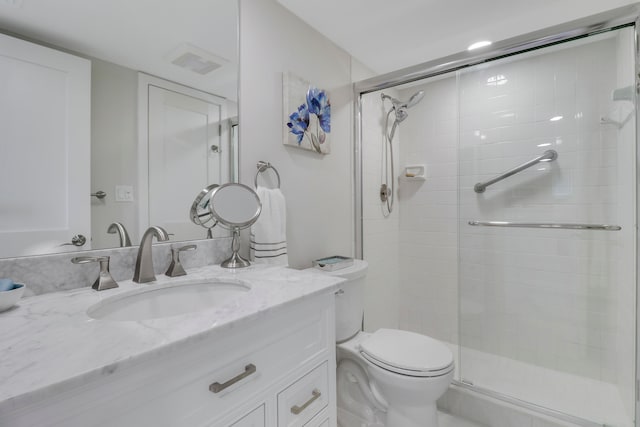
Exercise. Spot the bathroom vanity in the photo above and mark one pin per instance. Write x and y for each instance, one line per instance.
(262, 357)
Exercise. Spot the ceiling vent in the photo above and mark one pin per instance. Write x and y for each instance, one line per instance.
(195, 59)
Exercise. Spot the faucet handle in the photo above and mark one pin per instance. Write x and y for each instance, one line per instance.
(176, 269)
(104, 280)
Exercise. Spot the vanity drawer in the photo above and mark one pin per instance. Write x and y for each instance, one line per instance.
(253, 419)
(270, 351)
(305, 398)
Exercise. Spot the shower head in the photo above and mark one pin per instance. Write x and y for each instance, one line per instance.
(397, 104)
(400, 109)
(415, 98)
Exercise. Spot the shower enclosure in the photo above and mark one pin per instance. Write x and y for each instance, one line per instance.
(514, 234)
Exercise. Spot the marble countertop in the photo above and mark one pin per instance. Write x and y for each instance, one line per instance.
(49, 344)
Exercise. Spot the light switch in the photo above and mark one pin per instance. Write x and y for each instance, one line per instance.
(124, 193)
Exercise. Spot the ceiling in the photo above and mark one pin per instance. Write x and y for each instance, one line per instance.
(383, 35)
(139, 34)
(387, 35)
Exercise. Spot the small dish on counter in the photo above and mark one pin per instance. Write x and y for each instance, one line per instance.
(10, 297)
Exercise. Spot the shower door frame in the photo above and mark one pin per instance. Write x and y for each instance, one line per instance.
(616, 18)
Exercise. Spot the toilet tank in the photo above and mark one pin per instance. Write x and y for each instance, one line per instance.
(350, 302)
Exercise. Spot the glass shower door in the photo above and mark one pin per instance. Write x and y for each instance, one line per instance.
(547, 307)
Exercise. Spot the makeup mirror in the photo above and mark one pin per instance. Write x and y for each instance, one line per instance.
(236, 207)
(200, 213)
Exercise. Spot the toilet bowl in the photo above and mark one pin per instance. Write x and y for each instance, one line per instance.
(388, 378)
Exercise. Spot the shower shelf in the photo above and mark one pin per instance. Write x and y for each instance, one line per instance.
(414, 173)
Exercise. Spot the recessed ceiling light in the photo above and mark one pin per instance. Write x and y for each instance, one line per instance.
(555, 118)
(478, 45)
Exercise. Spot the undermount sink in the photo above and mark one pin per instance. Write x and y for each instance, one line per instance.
(157, 301)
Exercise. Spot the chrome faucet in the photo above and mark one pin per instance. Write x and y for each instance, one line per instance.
(144, 262)
(117, 227)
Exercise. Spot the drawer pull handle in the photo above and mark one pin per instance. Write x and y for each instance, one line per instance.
(248, 370)
(295, 410)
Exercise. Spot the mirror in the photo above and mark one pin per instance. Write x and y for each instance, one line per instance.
(236, 206)
(190, 44)
(200, 210)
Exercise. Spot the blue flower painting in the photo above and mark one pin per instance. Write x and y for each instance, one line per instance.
(308, 112)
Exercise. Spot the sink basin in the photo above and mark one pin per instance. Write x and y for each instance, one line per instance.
(166, 300)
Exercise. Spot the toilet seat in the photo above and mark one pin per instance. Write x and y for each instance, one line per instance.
(407, 353)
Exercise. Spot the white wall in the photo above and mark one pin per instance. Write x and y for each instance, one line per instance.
(114, 142)
(318, 188)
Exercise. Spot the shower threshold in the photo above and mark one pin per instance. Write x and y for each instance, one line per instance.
(585, 401)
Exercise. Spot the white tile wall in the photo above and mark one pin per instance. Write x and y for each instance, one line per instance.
(428, 214)
(558, 299)
(380, 233)
(547, 297)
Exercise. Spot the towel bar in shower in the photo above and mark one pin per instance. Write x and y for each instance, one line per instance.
(604, 227)
(547, 156)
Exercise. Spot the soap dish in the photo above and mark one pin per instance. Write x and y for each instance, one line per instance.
(333, 263)
(9, 298)
(414, 173)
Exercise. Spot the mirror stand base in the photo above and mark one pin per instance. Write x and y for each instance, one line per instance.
(236, 261)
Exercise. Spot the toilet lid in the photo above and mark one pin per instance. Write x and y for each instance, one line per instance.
(407, 352)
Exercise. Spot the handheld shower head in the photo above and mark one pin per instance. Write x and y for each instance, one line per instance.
(415, 98)
(399, 109)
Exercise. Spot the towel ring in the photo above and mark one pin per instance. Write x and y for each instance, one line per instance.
(263, 166)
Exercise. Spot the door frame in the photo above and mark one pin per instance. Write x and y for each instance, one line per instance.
(144, 82)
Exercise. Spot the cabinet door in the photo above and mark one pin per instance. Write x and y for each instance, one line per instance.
(45, 116)
(254, 418)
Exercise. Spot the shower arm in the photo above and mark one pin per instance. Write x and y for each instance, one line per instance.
(547, 156)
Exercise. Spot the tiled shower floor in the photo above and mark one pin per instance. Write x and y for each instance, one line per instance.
(586, 398)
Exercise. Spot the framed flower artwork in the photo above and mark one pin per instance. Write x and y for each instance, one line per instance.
(307, 115)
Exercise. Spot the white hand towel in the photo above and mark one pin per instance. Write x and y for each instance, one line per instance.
(269, 233)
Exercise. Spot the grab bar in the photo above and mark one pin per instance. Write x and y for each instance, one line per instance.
(547, 156)
(603, 227)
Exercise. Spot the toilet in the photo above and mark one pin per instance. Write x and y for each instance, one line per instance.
(388, 378)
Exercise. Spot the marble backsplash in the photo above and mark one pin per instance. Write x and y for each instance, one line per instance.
(51, 273)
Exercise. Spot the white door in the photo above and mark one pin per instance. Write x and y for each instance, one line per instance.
(185, 154)
(45, 116)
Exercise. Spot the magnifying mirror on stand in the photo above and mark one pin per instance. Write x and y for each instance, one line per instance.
(200, 213)
(235, 206)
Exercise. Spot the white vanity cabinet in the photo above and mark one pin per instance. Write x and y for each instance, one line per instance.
(274, 369)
